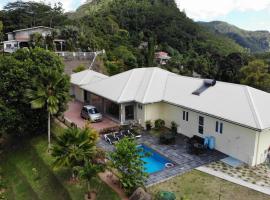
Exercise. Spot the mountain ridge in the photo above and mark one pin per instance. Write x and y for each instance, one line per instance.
(256, 41)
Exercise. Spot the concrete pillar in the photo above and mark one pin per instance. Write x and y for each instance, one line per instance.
(122, 113)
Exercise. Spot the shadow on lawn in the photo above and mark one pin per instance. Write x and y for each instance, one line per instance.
(19, 165)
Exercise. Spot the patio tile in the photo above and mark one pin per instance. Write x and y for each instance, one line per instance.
(177, 153)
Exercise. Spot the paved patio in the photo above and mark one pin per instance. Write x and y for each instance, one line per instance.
(177, 153)
(73, 115)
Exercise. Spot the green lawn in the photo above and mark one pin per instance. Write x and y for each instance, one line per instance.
(196, 185)
(52, 185)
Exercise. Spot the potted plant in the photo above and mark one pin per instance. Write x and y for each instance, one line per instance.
(148, 125)
(174, 127)
(159, 123)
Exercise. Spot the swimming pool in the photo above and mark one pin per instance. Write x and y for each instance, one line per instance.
(155, 162)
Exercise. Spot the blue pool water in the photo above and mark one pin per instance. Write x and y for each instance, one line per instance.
(155, 162)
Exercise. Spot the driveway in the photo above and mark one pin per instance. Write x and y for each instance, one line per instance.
(73, 115)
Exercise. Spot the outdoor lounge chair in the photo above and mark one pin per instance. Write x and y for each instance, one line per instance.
(126, 133)
(110, 138)
(119, 135)
(131, 133)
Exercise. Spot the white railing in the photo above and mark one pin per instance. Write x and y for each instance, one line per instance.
(76, 55)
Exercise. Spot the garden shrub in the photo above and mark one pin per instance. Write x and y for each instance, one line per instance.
(174, 127)
(148, 125)
(79, 68)
(164, 195)
(159, 123)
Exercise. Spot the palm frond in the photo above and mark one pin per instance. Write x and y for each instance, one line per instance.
(38, 103)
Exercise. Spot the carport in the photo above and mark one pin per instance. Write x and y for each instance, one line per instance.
(73, 115)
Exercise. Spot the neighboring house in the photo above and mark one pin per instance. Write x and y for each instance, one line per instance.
(237, 116)
(20, 38)
(162, 57)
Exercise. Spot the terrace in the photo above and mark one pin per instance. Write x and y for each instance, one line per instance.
(178, 153)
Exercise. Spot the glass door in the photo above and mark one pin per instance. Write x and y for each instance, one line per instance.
(129, 112)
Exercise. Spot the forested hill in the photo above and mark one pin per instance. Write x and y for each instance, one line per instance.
(120, 26)
(256, 41)
(161, 18)
(130, 31)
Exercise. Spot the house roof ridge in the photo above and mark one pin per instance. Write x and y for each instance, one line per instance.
(148, 85)
(165, 87)
(141, 82)
(124, 88)
(253, 108)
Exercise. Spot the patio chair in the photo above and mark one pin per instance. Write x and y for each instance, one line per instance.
(110, 138)
(119, 135)
(126, 133)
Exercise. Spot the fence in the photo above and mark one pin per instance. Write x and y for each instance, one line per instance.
(76, 55)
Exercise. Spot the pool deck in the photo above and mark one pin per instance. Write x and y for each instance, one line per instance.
(177, 153)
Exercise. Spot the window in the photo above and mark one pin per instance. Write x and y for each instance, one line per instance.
(185, 115)
(201, 124)
(219, 127)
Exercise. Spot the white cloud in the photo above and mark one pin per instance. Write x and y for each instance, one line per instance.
(210, 9)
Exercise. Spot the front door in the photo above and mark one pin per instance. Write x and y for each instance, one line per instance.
(129, 112)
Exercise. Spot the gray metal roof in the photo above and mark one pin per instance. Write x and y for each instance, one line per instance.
(86, 77)
(233, 102)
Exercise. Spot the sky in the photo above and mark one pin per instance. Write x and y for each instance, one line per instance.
(246, 14)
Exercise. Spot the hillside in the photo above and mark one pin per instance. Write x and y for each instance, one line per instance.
(255, 41)
(159, 17)
(131, 32)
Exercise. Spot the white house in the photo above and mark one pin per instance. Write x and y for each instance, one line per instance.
(20, 38)
(237, 116)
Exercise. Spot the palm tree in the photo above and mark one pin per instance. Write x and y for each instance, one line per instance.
(88, 172)
(73, 148)
(49, 94)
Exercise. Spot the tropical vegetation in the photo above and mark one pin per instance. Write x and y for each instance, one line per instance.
(36, 70)
(127, 160)
(131, 32)
(20, 180)
(74, 148)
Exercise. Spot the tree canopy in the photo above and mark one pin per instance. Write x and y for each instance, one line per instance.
(127, 160)
(256, 74)
(18, 74)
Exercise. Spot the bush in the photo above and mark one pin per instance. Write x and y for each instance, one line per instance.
(148, 125)
(163, 195)
(174, 127)
(159, 123)
(79, 68)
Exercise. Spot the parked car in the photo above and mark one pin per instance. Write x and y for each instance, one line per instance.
(91, 113)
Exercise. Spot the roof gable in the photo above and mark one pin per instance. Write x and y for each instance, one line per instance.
(86, 77)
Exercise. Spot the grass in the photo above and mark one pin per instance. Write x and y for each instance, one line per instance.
(22, 182)
(196, 185)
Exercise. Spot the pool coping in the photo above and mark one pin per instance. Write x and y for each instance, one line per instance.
(177, 153)
(171, 161)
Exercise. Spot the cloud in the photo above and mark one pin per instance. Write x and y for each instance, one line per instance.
(211, 9)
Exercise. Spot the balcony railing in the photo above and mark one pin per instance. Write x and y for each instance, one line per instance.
(76, 55)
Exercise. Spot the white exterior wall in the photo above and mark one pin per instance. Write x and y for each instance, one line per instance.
(263, 146)
(140, 114)
(78, 93)
(236, 141)
(153, 111)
